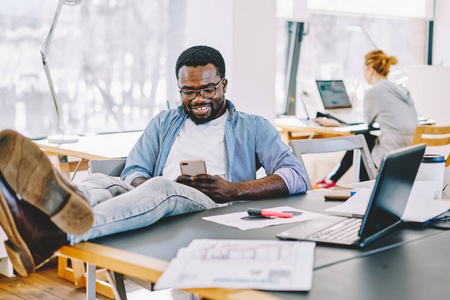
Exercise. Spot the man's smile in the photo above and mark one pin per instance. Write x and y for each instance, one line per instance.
(201, 109)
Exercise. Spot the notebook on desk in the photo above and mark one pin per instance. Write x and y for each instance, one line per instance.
(337, 103)
(386, 206)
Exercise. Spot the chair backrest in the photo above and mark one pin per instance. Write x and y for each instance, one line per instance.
(433, 135)
(345, 143)
(111, 167)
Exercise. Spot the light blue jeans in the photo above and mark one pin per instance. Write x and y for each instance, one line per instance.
(118, 206)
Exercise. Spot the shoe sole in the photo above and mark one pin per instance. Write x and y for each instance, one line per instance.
(16, 248)
(30, 173)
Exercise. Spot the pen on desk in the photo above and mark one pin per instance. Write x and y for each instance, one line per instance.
(267, 213)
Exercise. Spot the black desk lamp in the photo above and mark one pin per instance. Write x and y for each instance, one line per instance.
(59, 138)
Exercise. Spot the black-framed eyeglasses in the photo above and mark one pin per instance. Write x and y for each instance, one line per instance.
(207, 93)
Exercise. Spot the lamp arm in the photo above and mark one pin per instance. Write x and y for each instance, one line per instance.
(44, 51)
(52, 90)
(48, 40)
(368, 37)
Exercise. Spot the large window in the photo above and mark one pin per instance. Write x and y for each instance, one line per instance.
(110, 61)
(334, 47)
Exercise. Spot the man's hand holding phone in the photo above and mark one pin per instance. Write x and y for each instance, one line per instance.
(193, 174)
(190, 170)
(193, 167)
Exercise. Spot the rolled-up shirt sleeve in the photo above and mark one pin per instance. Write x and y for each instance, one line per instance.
(291, 178)
(276, 158)
(142, 158)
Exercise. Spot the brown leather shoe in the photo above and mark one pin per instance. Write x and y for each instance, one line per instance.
(30, 174)
(32, 237)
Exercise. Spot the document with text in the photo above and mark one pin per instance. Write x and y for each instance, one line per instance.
(250, 264)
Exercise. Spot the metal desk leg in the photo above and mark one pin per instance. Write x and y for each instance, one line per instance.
(357, 165)
(120, 285)
(117, 284)
(90, 281)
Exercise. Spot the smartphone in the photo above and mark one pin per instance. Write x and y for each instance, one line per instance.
(193, 167)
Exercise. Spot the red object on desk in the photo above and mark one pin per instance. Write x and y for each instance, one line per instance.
(267, 213)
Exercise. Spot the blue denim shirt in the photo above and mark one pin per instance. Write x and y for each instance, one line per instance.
(251, 141)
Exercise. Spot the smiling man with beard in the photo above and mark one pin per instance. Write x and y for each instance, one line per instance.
(208, 107)
(206, 126)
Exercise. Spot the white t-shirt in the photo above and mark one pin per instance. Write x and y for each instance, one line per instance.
(204, 141)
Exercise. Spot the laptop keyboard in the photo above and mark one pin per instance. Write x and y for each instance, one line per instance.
(345, 232)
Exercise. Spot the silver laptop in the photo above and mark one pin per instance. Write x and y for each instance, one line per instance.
(387, 203)
(336, 102)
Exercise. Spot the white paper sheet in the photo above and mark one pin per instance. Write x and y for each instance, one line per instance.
(420, 207)
(252, 264)
(235, 219)
(355, 206)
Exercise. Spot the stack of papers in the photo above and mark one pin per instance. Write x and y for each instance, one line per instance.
(421, 206)
(251, 264)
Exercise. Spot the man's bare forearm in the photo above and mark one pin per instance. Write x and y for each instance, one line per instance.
(138, 181)
(222, 191)
(263, 188)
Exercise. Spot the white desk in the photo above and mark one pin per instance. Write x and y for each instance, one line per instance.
(100, 146)
(294, 128)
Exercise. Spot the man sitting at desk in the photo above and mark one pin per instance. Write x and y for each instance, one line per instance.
(38, 207)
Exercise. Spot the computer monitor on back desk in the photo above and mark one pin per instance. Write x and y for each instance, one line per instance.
(333, 94)
(336, 102)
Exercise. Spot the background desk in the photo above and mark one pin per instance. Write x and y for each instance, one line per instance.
(293, 128)
(100, 146)
(161, 241)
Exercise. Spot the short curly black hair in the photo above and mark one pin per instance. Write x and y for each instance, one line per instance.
(201, 56)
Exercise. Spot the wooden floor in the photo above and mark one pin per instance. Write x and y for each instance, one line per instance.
(46, 285)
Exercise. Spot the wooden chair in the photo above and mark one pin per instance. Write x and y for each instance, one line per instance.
(433, 135)
(345, 143)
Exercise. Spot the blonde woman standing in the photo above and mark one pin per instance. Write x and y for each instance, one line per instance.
(387, 104)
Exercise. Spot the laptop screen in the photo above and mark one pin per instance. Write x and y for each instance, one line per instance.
(392, 188)
(333, 94)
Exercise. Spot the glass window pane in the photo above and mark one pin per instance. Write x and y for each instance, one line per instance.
(334, 48)
(110, 62)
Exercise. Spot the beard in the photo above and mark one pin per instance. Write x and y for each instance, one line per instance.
(216, 108)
